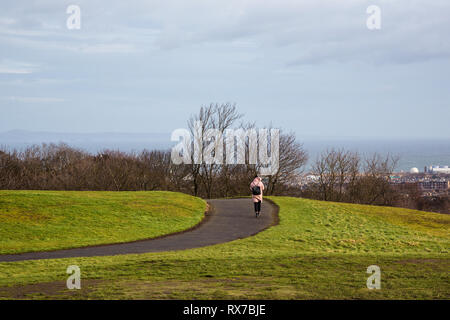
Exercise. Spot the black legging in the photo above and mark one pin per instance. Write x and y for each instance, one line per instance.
(257, 206)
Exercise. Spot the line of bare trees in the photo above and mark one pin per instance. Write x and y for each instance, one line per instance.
(345, 176)
(60, 167)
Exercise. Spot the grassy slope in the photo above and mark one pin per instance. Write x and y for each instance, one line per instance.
(46, 220)
(319, 250)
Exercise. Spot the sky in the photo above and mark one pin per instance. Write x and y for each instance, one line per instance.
(311, 67)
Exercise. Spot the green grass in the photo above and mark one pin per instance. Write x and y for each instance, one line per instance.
(320, 250)
(47, 220)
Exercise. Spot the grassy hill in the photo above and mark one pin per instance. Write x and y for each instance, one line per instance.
(47, 220)
(320, 250)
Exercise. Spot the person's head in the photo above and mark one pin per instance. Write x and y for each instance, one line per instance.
(257, 177)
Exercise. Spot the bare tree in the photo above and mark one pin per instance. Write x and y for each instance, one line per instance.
(208, 129)
(339, 178)
(336, 170)
(374, 186)
(292, 159)
(325, 168)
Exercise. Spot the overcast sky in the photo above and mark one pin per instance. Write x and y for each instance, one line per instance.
(312, 67)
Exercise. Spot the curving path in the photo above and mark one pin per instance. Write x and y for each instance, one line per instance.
(227, 220)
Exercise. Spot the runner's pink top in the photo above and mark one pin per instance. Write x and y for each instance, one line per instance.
(255, 182)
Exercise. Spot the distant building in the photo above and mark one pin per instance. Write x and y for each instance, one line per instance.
(438, 186)
(437, 169)
(414, 171)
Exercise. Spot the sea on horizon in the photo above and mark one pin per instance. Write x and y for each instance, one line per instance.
(412, 153)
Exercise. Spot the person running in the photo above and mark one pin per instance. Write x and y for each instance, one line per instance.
(257, 188)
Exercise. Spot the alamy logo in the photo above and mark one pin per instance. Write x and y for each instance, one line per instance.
(374, 281)
(207, 146)
(373, 22)
(74, 280)
(74, 20)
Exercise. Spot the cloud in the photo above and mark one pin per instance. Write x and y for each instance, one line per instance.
(7, 21)
(9, 70)
(33, 99)
(307, 32)
(107, 48)
(15, 67)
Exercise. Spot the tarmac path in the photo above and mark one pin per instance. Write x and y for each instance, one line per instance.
(226, 220)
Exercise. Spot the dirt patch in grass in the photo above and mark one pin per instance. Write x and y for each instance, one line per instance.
(231, 288)
(48, 290)
(234, 288)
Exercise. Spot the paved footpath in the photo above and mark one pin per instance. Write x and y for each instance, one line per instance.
(229, 219)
